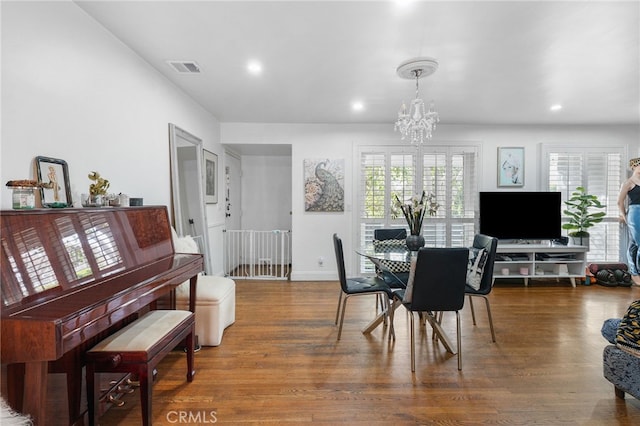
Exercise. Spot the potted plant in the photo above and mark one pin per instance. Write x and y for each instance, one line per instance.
(581, 214)
(98, 189)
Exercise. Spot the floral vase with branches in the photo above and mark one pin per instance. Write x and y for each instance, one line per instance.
(414, 211)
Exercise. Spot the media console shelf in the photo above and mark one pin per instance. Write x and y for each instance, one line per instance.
(540, 261)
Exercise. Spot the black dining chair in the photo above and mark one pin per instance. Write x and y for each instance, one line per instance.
(437, 285)
(394, 273)
(390, 234)
(490, 244)
(358, 286)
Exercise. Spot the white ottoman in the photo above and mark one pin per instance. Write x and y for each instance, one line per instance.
(215, 306)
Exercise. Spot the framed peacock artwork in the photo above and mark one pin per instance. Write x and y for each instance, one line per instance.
(324, 185)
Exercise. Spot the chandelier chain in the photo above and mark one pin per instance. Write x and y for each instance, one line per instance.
(417, 73)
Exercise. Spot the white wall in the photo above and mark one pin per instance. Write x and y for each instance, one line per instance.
(266, 192)
(71, 90)
(311, 232)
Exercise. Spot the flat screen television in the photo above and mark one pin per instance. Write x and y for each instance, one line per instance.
(521, 215)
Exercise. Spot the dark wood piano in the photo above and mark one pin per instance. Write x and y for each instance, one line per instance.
(70, 277)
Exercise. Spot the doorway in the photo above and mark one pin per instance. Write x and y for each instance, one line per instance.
(257, 237)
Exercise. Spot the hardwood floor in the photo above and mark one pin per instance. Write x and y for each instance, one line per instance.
(280, 363)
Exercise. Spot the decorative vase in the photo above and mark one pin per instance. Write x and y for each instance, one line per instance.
(414, 242)
(93, 200)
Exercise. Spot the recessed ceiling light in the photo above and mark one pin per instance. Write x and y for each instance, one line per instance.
(357, 106)
(403, 3)
(556, 107)
(254, 67)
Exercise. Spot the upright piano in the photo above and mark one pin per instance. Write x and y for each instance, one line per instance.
(70, 277)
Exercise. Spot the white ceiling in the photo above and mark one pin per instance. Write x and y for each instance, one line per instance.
(500, 62)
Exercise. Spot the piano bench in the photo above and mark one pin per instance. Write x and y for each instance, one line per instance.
(137, 349)
(215, 306)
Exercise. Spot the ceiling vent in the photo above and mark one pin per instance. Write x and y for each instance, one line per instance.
(185, 67)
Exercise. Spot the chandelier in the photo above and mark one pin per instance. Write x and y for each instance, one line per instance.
(417, 123)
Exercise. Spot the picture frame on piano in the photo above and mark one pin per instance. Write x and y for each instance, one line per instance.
(53, 174)
(210, 177)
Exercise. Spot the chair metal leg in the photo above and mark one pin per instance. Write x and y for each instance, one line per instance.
(459, 341)
(486, 301)
(392, 331)
(413, 349)
(473, 314)
(387, 305)
(382, 317)
(338, 309)
(493, 333)
(380, 302)
(344, 307)
(384, 306)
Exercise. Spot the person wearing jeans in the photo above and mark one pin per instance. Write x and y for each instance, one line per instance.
(629, 207)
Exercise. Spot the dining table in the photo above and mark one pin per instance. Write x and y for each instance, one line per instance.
(389, 258)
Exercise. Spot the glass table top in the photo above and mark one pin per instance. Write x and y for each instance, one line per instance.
(398, 254)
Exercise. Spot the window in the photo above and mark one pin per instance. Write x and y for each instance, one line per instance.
(448, 172)
(601, 171)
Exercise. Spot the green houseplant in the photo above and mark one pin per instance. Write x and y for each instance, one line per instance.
(581, 214)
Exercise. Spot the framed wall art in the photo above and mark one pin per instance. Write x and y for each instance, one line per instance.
(53, 174)
(210, 177)
(510, 166)
(324, 185)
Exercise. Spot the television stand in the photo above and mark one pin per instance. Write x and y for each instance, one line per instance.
(530, 261)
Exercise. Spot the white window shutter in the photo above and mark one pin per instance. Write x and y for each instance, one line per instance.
(600, 170)
(448, 172)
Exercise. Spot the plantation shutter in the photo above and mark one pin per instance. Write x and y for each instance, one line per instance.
(451, 175)
(599, 170)
(464, 196)
(372, 188)
(448, 172)
(384, 173)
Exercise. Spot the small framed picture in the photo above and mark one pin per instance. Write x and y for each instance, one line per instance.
(53, 174)
(210, 177)
(511, 166)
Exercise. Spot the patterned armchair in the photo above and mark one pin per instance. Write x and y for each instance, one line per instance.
(619, 367)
